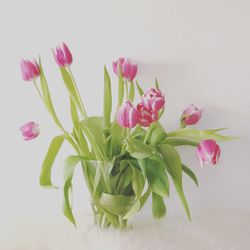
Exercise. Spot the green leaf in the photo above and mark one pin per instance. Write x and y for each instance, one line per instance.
(138, 133)
(69, 83)
(125, 178)
(156, 176)
(69, 168)
(117, 136)
(98, 174)
(174, 167)
(190, 173)
(92, 127)
(133, 210)
(138, 149)
(198, 135)
(116, 204)
(45, 176)
(107, 99)
(138, 181)
(156, 84)
(120, 87)
(140, 90)
(132, 91)
(158, 133)
(158, 206)
(178, 141)
(145, 197)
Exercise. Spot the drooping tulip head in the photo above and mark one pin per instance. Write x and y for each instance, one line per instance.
(127, 115)
(29, 130)
(63, 56)
(208, 151)
(153, 100)
(146, 116)
(127, 67)
(30, 70)
(191, 115)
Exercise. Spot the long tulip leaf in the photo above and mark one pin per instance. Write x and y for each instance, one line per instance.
(190, 173)
(45, 176)
(107, 99)
(174, 167)
(69, 168)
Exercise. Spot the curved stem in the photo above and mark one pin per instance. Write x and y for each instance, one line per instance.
(66, 134)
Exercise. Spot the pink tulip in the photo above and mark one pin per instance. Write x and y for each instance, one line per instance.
(63, 56)
(30, 130)
(127, 115)
(30, 70)
(146, 116)
(128, 68)
(153, 100)
(208, 151)
(191, 115)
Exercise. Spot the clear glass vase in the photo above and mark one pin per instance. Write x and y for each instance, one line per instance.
(110, 186)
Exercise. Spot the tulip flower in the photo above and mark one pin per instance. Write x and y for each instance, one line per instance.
(127, 67)
(63, 56)
(127, 115)
(30, 131)
(146, 116)
(30, 70)
(153, 100)
(191, 115)
(208, 151)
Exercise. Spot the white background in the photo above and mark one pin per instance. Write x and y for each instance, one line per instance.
(200, 52)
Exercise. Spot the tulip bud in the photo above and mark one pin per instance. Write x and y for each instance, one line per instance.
(153, 100)
(191, 115)
(30, 70)
(127, 115)
(146, 116)
(63, 56)
(30, 130)
(127, 67)
(208, 151)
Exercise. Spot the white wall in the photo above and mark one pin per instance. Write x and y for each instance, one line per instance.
(199, 50)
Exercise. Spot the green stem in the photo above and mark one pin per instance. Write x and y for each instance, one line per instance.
(66, 134)
(83, 111)
(39, 92)
(126, 89)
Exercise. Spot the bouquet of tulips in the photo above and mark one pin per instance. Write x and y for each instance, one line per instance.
(127, 157)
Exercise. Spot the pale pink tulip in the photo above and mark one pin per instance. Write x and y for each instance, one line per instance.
(208, 151)
(30, 131)
(30, 70)
(127, 67)
(63, 56)
(146, 116)
(127, 115)
(153, 100)
(191, 115)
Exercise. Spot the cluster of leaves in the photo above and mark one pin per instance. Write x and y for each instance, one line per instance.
(122, 170)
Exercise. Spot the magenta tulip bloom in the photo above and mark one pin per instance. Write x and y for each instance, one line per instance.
(153, 100)
(128, 68)
(30, 70)
(146, 116)
(208, 151)
(30, 131)
(127, 115)
(191, 115)
(63, 56)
